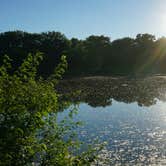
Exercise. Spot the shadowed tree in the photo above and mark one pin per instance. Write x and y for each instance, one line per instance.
(95, 55)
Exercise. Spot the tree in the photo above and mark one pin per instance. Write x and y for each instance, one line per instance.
(95, 55)
(96, 50)
(121, 59)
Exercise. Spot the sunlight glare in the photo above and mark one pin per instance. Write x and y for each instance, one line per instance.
(163, 23)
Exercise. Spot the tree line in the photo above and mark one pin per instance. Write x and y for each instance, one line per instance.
(95, 55)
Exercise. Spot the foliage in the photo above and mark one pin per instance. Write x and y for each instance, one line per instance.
(29, 133)
(95, 55)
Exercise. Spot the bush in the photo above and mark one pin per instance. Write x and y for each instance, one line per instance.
(29, 133)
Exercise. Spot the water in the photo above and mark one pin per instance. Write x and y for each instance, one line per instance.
(128, 114)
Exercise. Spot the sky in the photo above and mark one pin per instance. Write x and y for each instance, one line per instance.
(81, 18)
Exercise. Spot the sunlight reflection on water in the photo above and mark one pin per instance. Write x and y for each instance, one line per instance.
(134, 134)
(130, 118)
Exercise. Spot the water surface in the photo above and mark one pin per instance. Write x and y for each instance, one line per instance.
(130, 114)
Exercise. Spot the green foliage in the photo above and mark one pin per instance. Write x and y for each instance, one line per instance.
(95, 55)
(29, 133)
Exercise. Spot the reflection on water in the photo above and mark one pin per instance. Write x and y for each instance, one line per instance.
(129, 114)
(99, 91)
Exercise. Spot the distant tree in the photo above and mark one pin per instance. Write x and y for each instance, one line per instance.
(76, 57)
(53, 45)
(97, 48)
(94, 55)
(159, 55)
(122, 57)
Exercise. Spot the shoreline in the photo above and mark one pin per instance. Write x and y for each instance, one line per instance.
(102, 77)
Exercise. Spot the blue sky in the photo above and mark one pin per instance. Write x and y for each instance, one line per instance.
(81, 18)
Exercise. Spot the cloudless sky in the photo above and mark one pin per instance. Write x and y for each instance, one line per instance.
(81, 18)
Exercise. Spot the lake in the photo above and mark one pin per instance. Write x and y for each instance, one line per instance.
(129, 114)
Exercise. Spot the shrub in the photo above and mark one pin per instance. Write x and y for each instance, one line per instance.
(29, 133)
